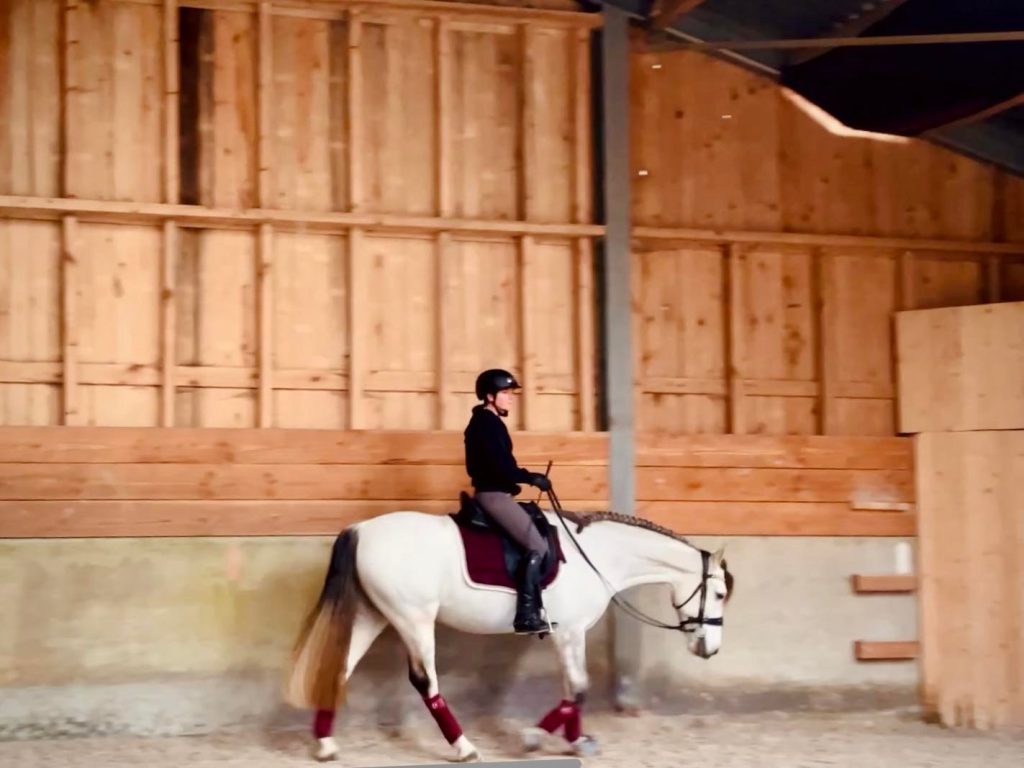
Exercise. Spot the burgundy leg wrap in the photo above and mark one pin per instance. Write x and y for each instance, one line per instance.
(323, 723)
(554, 719)
(446, 721)
(573, 725)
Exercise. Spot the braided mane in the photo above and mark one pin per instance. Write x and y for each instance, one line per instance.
(583, 519)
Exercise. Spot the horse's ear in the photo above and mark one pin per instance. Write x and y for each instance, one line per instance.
(719, 555)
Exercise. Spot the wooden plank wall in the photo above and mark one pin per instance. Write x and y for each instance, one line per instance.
(240, 213)
(962, 395)
(122, 481)
(971, 529)
(316, 214)
(961, 368)
(771, 253)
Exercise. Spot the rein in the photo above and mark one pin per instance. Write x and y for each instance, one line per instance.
(687, 625)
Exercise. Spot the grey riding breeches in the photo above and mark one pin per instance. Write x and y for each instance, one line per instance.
(513, 518)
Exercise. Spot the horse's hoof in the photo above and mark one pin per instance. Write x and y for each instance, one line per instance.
(532, 738)
(585, 746)
(326, 749)
(465, 752)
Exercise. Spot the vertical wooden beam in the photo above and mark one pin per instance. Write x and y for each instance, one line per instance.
(172, 194)
(826, 316)
(445, 191)
(639, 339)
(585, 333)
(527, 337)
(582, 191)
(443, 245)
(527, 129)
(265, 95)
(172, 173)
(355, 112)
(70, 106)
(580, 95)
(69, 319)
(265, 279)
(905, 281)
(445, 205)
(356, 324)
(993, 279)
(735, 354)
(168, 324)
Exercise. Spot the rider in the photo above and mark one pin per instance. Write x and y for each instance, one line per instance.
(495, 474)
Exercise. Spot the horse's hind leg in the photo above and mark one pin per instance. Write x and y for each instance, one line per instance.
(366, 628)
(419, 640)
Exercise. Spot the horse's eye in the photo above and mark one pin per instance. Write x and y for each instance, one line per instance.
(720, 595)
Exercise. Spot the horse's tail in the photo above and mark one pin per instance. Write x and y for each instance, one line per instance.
(317, 676)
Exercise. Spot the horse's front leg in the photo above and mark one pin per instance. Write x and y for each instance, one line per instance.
(568, 714)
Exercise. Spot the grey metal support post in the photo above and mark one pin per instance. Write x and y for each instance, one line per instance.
(618, 316)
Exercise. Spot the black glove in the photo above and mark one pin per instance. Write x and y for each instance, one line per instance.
(537, 480)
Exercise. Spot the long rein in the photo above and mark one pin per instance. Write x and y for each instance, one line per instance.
(686, 625)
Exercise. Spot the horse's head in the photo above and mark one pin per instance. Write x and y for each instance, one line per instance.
(701, 607)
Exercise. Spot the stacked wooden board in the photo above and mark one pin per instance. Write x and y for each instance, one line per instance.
(961, 374)
(126, 481)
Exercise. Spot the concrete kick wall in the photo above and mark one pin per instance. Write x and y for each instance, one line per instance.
(189, 635)
(790, 628)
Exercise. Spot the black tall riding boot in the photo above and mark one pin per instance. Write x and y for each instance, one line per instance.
(528, 620)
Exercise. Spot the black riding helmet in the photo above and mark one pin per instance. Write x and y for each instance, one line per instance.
(493, 381)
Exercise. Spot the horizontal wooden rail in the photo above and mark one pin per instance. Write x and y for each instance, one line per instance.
(124, 481)
(381, 481)
(681, 385)
(865, 584)
(195, 216)
(886, 650)
(209, 445)
(723, 237)
(380, 9)
(52, 372)
(308, 517)
(228, 377)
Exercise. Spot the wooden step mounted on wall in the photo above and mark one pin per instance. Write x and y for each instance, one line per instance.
(884, 584)
(886, 650)
(873, 584)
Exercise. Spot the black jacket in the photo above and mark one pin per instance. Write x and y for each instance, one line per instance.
(489, 460)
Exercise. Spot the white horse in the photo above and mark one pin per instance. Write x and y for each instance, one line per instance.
(408, 568)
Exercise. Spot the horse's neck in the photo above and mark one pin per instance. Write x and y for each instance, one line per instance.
(628, 556)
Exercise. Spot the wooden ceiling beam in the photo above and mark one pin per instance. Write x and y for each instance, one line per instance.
(853, 42)
(984, 114)
(851, 28)
(665, 12)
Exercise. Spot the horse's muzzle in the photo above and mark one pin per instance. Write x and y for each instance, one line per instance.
(702, 649)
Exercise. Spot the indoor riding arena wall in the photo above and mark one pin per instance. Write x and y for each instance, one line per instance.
(252, 255)
(157, 577)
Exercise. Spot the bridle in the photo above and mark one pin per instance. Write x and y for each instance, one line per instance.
(689, 625)
(692, 624)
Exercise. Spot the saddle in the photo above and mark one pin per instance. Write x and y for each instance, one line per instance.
(492, 556)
